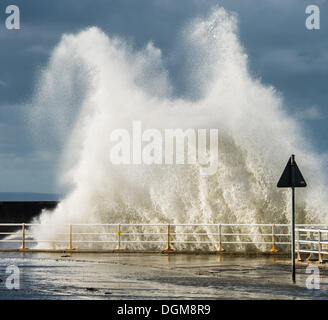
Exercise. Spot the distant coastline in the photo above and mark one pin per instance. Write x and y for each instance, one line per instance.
(29, 196)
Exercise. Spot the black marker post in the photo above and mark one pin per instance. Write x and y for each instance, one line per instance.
(292, 178)
(293, 216)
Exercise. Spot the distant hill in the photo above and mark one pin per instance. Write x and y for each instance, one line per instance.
(29, 196)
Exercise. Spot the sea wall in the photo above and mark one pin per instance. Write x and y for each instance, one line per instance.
(23, 211)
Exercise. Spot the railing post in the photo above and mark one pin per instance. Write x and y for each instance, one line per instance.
(325, 246)
(298, 245)
(118, 232)
(220, 249)
(273, 249)
(23, 238)
(310, 257)
(70, 247)
(319, 246)
(168, 245)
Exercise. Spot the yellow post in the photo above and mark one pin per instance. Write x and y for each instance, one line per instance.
(220, 249)
(70, 239)
(273, 249)
(168, 248)
(118, 232)
(23, 238)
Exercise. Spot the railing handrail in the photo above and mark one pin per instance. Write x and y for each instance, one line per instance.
(312, 230)
(319, 242)
(164, 224)
(171, 234)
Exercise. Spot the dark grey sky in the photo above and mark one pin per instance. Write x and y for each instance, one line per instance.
(281, 50)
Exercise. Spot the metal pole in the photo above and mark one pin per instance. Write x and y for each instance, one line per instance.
(119, 237)
(168, 238)
(319, 246)
(168, 248)
(273, 249)
(23, 237)
(299, 258)
(220, 249)
(70, 238)
(293, 234)
(310, 257)
(293, 218)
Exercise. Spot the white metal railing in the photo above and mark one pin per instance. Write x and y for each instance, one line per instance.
(163, 237)
(313, 241)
